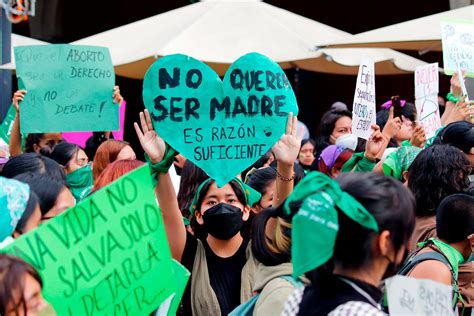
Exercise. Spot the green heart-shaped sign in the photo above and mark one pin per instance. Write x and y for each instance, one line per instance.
(222, 127)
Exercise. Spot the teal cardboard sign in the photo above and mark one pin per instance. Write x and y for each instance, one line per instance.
(7, 124)
(69, 88)
(221, 126)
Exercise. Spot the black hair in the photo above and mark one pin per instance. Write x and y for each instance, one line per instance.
(408, 111)
(35, 163)
(257, 164)
(46, 188)
(31, 140)
(308, 140)
(262, 178)
(455, 218)
(191, 178)
(64, 152)
(390, 203)
(30, 208)
(458, 134)
(437, 171)
(326, 127)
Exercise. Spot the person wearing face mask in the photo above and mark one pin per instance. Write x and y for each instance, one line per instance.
(221, 264)
(347, 236)
(75, 164)
(439, 257)
(334, 124)
(19, 210)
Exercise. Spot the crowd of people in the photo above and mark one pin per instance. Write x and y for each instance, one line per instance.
(313, 227)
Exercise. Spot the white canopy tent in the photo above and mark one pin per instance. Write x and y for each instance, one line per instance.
(219, 31)
(422, 34)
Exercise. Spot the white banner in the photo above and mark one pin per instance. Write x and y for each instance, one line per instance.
(363, 108)
(426, 93)
(458, 46)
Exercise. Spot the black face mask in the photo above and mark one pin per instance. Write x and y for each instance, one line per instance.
(223, 221)
(393, 267)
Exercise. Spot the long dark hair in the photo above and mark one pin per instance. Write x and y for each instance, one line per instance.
(31, 140)
(30, 208)
(393, 207)
(64, 152)
(12, 272)
(33, 162)
(437, 172)
(191, 178)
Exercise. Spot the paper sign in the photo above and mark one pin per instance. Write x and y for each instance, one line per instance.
(462, 84)
(458, 46)
(410, 296)
(426, 102)
(363, 109)
(7, 124)
(106, 256)
(222, 127)
(69, 88)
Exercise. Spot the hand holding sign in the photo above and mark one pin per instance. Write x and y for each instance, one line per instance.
(69, 88)
(221, 126)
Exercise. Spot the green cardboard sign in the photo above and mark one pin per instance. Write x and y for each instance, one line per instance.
(106, 256)
(7, 124)
(69, 88)
(221, 126)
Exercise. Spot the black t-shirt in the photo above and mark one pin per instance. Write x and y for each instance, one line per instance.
(335, 292)
(224, 275)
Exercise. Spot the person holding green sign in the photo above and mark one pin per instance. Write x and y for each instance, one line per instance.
(221, 265)
(348, 235)
(37, 141)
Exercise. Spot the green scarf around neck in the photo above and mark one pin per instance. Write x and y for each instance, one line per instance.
(80, 182)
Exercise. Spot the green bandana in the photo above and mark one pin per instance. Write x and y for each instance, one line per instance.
(80, 182)
(315, 226)
(454, 257)
(251, 196)
(399, 161)
(163, 166)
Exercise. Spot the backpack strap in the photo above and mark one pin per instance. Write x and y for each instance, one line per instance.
(432, 255)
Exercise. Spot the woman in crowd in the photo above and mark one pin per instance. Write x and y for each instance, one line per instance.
(363, 223)
(75, 164)
(306, 155)
(20, 289)
(114, 171)
(221, 264)
(333, 125)
(108, 152)
(332, 159)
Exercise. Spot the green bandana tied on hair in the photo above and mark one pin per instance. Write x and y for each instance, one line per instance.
(251, 196)
(315, 225)
(14, 196)
(399, 161)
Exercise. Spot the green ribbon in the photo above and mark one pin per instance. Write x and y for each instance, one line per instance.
(454, 257)
(163, 166)
(251, 196)
(315, 225)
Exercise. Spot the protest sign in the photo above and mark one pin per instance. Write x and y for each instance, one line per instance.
(363, 109)
(106, 256)
(69, 88)
(410, 296)
(462, 83)
(221, 126)
(426, 94)
(7, 124)
(458, 46)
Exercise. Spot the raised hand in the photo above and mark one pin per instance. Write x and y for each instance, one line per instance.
(455, 86)
(17, 98)
(376, 144)
(287, 148)
(117, 96)
(418, 139)
(392, 126)
(151, 143)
